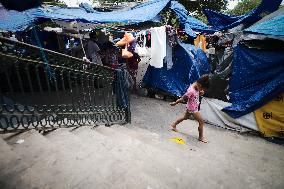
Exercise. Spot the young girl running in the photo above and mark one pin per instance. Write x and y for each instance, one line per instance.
(192, 97)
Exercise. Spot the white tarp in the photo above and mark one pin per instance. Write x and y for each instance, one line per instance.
(211, 110)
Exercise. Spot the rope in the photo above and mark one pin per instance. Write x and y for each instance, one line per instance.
(48, 69)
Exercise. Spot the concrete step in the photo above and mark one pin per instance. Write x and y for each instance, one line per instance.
(83, 161)
(31, 169)
(171, 170)
(10, 166)
(159, 140)
(6, 155)
(227, 167)
(126, 175)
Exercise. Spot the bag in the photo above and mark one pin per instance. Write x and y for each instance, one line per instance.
(128, 38)
(126, 53)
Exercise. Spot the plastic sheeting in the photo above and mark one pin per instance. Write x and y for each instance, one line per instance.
(257, 77)
(189, 63)
(15, 21)
(189, 23)
(213, 115)
(222, 21)
(270, 118)
(144, 12)
(272, 24)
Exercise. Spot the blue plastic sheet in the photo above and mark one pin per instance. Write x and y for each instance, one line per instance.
(257, 77)
(15, 21)
(144, 12)
(272, 26)
(189, 63)
(189, 23)
(222, 21)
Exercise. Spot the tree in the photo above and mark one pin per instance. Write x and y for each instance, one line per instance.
(244, 7)
(196, 6)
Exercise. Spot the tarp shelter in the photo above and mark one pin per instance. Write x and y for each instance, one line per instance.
(189, 63)
(221, 21)
(257, 77)
(257, 74)
(141, 13)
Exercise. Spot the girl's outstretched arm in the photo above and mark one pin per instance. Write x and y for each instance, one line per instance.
(180, 100)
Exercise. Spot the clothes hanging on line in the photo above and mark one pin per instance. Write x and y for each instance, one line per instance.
(158, 46)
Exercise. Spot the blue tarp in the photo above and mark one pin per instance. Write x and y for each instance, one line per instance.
(184, 72)
(270, 25)
(257, 77)
(144, 12)
(14, 20)
(188, 22)
(222, 21)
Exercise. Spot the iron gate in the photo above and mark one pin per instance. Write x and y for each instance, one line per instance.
(43, 89)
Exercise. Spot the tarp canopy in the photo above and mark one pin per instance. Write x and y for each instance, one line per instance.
(141, 13)
(272, 24)
(189, 63)
(222, 21)
(188, 22)
(257, 77)
(15, 21)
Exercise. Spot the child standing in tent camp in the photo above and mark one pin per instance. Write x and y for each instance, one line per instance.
(192, 97)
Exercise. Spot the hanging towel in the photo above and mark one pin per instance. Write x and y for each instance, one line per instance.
(158, 46)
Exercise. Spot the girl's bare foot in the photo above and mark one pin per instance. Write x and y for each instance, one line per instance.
(202, 140)
(172, 103)
(174, 128)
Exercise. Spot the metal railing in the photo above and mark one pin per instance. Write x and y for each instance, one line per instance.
(44, 89)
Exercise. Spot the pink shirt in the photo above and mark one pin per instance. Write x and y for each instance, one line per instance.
(192, 96)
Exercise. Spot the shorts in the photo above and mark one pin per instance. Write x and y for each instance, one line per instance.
(189, 114)
(191, 111)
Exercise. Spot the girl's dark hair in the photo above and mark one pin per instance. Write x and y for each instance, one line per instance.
(204, 81)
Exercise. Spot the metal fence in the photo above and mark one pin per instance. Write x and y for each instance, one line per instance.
(43, 89)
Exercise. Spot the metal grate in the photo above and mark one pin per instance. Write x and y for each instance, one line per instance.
(65, 91)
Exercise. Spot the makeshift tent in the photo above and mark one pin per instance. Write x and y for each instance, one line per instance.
(221, 21)
(189, 63)
(257, 77)
(144, 12)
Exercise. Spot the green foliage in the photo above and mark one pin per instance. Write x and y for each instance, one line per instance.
(54, 3)
(197, 6)
(168, 18)
(244, 7)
